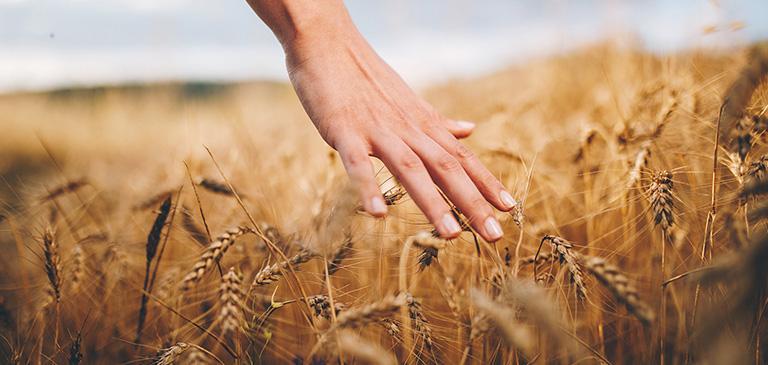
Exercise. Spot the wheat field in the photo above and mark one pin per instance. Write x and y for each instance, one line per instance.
(209, 224)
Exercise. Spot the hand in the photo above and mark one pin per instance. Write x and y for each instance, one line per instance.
(362, 108)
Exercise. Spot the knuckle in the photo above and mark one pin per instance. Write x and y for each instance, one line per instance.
(356, 159)
(463, 152)
(447, 163)
(410, 161)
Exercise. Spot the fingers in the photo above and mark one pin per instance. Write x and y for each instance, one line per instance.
(459, 128)
(411, 172)
(490, 187)
(450, 176)
(354, 156)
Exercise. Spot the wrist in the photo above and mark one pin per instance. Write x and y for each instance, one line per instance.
(319, 34)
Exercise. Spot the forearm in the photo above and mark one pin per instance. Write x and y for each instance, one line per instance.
(295, 22)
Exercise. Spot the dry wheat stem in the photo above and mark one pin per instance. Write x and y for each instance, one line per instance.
(368, 351)
(419, 321)
(542, 311)
(215, 186)
(618, 284)
(68, 187)
(360, 316)
(562, 249)
(640, 161)
(77, 273)
(425, 239)
(272, 273)
(232, 312)
(662, 202)
(169, 356)
(341, 253)
(189, 224)
(322, 306)
(52, 263)
(213, 254)
(356, 317)
(502, 317)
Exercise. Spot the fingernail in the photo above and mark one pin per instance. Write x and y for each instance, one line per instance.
(462, 124)
(450, 226)
(506, 199)
(493, 229)
(377, 206)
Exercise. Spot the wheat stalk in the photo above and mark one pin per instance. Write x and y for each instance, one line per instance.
(541, 258)
(639, 162)
(189, 224)
(757, 169)
(451, 297)
(419, 321)
(272, 273)
(394, 195)
(341, 253)
(321, 304)
(196, 357)
(167, 283)
(503, 318)
(68, 187)
(617, 283)
(215, 186)
(430, 243)
(213, 254)
(153, 241)
(743, 138)
(169, 356)
(359, 316)
(562, 249)
(426, 239)
(77, 272)
(367, 351)
(52, 263)
(542, 311)
(662, 201)
(231, 315)
(154, 200)
(390, 326)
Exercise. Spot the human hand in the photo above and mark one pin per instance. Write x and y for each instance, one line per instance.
(362, 108)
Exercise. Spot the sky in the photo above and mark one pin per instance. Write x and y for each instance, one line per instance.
(57, 43)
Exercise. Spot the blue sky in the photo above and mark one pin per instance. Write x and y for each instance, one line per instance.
(51, 43)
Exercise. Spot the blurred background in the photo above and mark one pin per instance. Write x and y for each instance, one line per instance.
(59, 43)
(92, 85)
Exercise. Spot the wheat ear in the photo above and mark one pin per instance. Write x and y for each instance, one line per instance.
(662, 201)
(232, 313)
(367, 351)
(170, 355)
(272, 273)
(356, 317)
(563, 250)
(503, 318)
(617, 283)
(419, 321)
(213, 254)
(341, 253)
(52, 263)
(322, 306)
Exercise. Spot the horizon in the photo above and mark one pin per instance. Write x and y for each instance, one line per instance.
(49, 44)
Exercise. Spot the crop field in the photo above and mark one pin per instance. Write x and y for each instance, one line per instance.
(209, 224)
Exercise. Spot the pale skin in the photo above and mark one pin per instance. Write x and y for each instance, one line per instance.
(362, 108)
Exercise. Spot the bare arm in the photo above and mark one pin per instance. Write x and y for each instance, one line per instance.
(362, 108)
